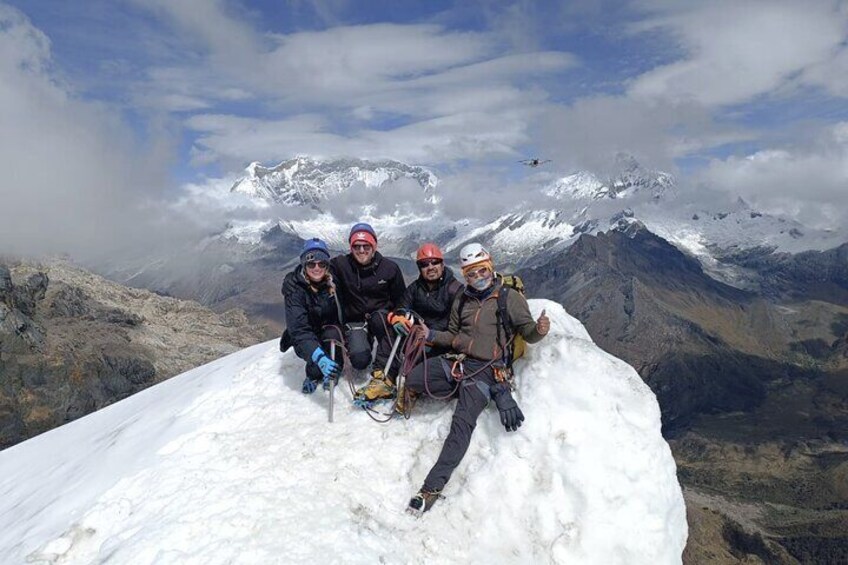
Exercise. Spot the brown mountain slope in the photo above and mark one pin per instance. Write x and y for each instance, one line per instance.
(72, 342)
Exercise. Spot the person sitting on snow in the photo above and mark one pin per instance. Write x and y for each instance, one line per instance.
(481, 372)
(313, 315)
(369, 286)
(430, 296)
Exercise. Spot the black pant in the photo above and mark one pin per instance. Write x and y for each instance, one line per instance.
(472, 397)
(360, 339)
(328, 335)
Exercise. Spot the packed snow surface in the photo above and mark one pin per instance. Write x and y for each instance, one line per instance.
(230, 463)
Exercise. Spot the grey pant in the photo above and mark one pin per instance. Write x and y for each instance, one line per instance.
(472, 397)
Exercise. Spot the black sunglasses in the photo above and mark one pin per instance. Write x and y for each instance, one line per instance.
(428, 263)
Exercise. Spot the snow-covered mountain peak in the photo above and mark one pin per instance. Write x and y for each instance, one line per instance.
(230, 463)
(307, 181)
(581, 185)
(629, 180)
(632, 178)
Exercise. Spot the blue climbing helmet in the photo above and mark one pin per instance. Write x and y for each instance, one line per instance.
(314, 250)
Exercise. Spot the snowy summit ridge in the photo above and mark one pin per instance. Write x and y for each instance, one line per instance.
(307, 181)
(631, 179)
(230, 463)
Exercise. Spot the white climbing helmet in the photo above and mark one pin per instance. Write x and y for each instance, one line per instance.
(472, 254)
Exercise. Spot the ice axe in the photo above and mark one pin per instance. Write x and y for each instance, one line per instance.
(332, 382)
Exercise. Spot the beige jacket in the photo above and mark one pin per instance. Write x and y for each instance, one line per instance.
(474, 331)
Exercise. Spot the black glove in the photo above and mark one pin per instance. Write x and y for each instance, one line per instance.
(511, 416)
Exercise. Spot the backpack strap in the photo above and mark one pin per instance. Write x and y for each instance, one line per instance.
(505, 327)
(460, 304)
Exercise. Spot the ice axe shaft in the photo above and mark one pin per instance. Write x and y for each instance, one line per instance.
(332, 383)
(392, 355)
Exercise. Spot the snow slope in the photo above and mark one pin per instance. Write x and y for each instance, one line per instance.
(230, 463)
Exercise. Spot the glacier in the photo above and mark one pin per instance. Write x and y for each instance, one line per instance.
(230, 463)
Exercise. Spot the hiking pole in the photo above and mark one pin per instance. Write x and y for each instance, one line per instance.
(332, 382)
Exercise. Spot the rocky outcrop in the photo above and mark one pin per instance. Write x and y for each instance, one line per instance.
(72, 342)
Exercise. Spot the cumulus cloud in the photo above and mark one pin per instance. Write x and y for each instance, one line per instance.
(75, 179)
(736, 50)
(449, 94)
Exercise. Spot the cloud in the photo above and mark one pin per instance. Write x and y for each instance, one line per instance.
(409, 91)
(465, 133)
(589, 133)
(808, 183)
(75, 179)
(737, 50)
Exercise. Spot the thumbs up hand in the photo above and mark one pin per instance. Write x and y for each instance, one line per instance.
(543, 324)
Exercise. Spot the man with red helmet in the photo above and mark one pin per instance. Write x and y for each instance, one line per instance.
(430, 295)
(369, 286)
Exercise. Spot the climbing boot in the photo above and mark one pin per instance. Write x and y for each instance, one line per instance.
(380, 386)
(405, 401)
(423, 501)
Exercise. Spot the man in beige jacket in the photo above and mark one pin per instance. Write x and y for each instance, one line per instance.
(475, 331)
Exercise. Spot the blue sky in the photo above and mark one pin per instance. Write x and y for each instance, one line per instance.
(177, 92)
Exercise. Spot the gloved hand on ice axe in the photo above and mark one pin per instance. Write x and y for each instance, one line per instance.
(329, 368)
(401, 320)
(511, 415)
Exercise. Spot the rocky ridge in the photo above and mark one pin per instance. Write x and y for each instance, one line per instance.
(72, 342)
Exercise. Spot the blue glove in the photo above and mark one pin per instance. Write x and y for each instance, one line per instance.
(329, 368)
(511, 415)
(308, 386)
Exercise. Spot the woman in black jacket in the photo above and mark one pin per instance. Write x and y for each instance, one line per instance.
(313, 315)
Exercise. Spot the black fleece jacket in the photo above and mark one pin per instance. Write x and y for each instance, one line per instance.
(434, 305)
(366, 289)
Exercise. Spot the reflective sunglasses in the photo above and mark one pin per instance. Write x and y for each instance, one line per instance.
(361, 247)
(477, 273)
(428, 263)
(316, 264)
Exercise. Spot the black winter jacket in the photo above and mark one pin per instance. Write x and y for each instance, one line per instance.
(432, 305)
(363, 290)
(307, 311)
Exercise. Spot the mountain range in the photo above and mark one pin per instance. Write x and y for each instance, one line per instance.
(736, 318)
